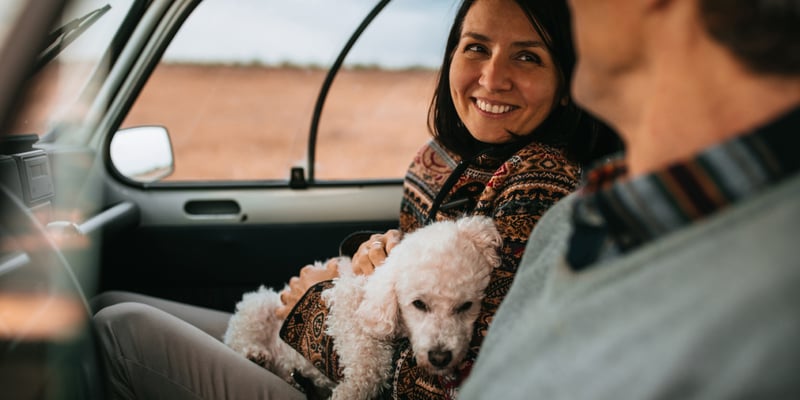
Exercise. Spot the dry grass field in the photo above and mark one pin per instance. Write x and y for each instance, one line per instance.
(253, 122)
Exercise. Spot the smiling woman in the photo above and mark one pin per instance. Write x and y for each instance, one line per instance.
(503, 80)
(510, 162)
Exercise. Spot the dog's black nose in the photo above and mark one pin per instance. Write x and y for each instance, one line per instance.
(440, 359)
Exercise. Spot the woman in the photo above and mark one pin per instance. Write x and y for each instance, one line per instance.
(508, 143)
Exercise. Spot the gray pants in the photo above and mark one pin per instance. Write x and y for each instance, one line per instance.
(159, 349)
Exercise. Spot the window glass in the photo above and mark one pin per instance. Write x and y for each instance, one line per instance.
(237, 88)
(375, 117)
(55, 89)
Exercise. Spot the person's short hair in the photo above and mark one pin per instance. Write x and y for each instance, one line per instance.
(762, 34)
(567, 125)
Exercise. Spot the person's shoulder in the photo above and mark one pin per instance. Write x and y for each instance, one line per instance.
(541, 151)
(435, 151)
(539, 158)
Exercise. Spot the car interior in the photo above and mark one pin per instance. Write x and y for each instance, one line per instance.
(95, 192)
(80, 216)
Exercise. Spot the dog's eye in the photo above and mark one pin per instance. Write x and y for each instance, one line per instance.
(464, 307)
(420, 305)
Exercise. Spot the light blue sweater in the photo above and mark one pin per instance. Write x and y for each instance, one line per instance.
(711, 311)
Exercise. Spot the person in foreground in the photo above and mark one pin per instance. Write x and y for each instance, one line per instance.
(508, 143)
(673, 273)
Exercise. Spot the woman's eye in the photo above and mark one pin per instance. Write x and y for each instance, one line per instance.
(475, 48)
(420, 305)
(530, 57)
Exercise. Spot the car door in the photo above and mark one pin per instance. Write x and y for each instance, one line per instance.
(271, 159)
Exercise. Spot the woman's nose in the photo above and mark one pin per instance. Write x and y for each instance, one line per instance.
(495, 75)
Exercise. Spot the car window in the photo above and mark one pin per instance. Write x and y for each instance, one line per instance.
(237, 88)
(375, 117)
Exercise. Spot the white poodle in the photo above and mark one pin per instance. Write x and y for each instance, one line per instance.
(429, 290)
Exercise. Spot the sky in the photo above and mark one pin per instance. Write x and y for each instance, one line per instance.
(407, 33)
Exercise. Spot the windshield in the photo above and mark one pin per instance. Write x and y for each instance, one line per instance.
(73, 55)
(61, 38)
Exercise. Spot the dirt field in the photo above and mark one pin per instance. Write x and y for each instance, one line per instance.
(250, 122)
(253, 122)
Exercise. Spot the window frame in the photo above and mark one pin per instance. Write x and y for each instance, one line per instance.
(153, 49)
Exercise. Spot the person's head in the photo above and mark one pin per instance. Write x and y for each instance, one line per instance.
(506, 78)
(676, 76)
(761, 34)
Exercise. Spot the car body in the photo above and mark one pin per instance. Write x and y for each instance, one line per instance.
(97, 178)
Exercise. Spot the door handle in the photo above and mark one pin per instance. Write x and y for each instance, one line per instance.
(212, 208)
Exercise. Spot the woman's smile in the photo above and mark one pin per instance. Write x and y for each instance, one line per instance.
(493, 109)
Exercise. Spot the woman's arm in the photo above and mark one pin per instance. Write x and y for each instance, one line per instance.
(369, 255)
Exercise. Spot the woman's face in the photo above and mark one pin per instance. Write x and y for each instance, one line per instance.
(502, 76)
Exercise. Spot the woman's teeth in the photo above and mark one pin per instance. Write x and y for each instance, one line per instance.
(490, 108)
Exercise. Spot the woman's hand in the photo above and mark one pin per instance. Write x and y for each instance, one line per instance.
(309, 276)
(373, 252)
(370, 254)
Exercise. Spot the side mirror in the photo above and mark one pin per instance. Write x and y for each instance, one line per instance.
(142, 153)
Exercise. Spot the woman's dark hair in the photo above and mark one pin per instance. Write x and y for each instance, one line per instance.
(567, 125)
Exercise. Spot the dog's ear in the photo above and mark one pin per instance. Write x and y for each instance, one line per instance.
(482, 233)
(378, 311)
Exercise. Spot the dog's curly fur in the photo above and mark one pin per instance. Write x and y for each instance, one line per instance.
(429, 290)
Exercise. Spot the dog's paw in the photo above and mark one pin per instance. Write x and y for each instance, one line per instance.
(260, 358)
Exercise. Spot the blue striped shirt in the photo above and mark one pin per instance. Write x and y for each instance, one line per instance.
(616, 215)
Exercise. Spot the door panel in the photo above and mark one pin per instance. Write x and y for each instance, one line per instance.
(211, 260)
(209, 235)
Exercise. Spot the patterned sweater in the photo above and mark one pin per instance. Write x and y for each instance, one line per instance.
(515, 191)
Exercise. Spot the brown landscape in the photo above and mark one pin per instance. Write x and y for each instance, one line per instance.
(250, 122)
(253, 122)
